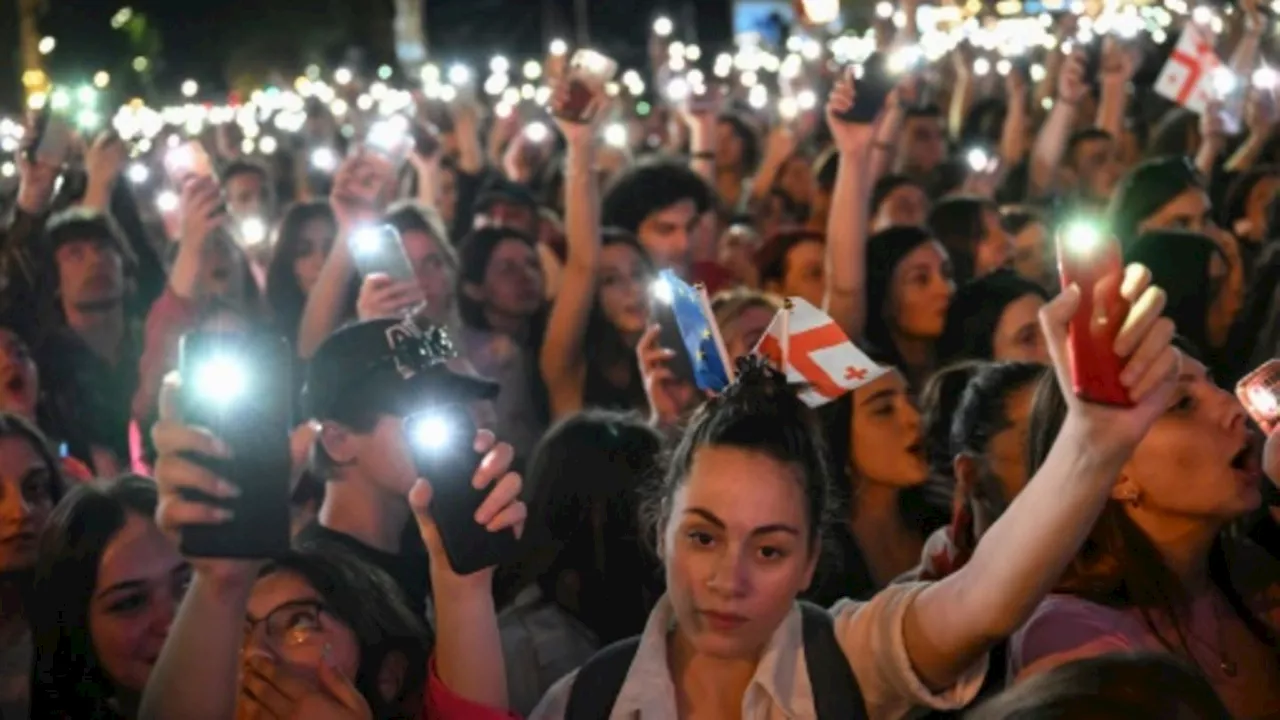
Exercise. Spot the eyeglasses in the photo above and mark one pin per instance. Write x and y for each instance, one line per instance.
(292, 624)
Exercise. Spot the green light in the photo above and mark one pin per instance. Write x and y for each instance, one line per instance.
(643, 108)
(86, 95)
(60, 100)
(384, 72)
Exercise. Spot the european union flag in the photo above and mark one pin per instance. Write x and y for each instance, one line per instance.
(699, 332)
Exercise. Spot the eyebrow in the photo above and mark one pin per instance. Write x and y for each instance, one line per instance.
(120, 586)
(299, 602)
(880, 396)
(762, 530)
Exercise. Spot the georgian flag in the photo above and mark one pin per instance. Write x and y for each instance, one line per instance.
(1187, 77)
(818, 354)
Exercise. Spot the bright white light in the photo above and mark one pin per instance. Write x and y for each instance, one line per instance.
(559, 47)
(167, 201)
(663, 26)
(499, 65)
(1263, 400)
(678, 89)
(662, 292)
(884, 10)
(978, 159)
(806, 100)
(253, 231)
(324, 159)
(1224, 81)
(431, 432)
(1038, 72)
(248, 146)
(537, 132)
(1081, 238)
(138, 173)
(267, 145)
(905, 59)
(1003, 67)
(387, 136)
(459, 75)
(787, 109)
(1201, 15)
(190, 88)
(101, 79)
(367, 241)
(8, 170)
(981, 67)
(140, 64)
(758, 97)
(1265, 78)
(47, 44)
(616, 135)
(342, 76)
(220, 380)
(88, 120)
(86, 95)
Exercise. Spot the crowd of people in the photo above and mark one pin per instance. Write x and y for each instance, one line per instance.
(962, 535)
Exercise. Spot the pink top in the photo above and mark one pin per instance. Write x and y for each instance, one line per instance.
(441, 703)
(1065, 628)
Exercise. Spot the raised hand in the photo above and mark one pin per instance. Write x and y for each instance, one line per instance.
(361, 188)
(1073, 86)
(201, 208)
(383, 297)
(849, 136)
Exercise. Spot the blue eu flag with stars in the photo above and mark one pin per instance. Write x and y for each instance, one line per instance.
(699, 333)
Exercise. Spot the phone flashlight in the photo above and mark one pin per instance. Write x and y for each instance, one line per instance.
(537, 132)
(430, 432)
(389, 136)
(1259, 392)
(167, 201)
(1265, 78)
(138, 173)
(661, 291)
(1087, 257)
(616, 135)
(367, 241)
(253, 231)
(1224, 81)
(220, 380)
(978, 159)
(663, 26)
(678, 89)
(324, 159)
(905, 59)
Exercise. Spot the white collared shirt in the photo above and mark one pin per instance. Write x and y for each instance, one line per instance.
(870, 633)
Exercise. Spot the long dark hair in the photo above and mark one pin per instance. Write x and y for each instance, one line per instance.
(366, 600)
(67, 681)
(604, 346)
(1118, 565)
(285, 297)
(474, 254)
(587, 474)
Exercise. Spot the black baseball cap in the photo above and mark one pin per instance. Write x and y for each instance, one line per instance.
(388, 366)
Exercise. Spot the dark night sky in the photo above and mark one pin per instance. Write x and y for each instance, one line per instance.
(201, 37)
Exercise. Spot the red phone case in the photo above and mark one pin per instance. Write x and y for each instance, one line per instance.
(576, 104)
(1095, 366)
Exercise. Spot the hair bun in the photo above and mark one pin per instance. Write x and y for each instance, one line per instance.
(760, 387)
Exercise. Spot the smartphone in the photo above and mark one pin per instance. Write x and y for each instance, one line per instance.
(390, 138)
(426, 138)
(1259, 392)
(1086, 257)
(589, 71)
(670, 338)
(442, 443)
(873, 90)
(187, 160)
(240, 387)
(381, 250)
(52, 139)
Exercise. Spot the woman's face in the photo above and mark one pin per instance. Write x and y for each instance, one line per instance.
(19, 378)
(624, 280)
(1029, 258)
(316, 238)
(743, 333)
(1017, 335)
(288, 625)
(141, 581)
(728, 147)
(993, 250)
(805, 272)
(905, 206)
(886, 446)
(26, 499)
(513, 280)
(920, 291)
(736, 549)
(1006, 454)
(1197, 462)
(435, 277)
(1189, 210)
(737, 252)
(1226, 280)
(795, 180)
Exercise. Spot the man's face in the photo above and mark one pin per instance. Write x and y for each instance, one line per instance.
(665, 234)
(926, 145)
(90, 273)
(384, 456)
(246, 195)
(1097, 168)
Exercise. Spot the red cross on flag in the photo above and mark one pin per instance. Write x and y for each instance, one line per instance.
(817, 354)
(1187, 77)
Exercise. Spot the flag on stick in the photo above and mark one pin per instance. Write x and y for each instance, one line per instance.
(811, 349)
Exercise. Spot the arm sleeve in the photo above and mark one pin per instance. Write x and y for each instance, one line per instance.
(872, 637)
(1066, 629)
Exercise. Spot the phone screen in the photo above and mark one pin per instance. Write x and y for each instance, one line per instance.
(442, 442)
(381, 250)
(873, 90)
(53, 137)
(239, 387)
(1259, 392)
(669, 337)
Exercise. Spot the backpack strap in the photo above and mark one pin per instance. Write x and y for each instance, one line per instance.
(836, 694)
(596, 687)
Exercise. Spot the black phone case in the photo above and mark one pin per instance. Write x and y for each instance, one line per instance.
(454, 500)
(669, 338)
(257, 433)
(872, 92)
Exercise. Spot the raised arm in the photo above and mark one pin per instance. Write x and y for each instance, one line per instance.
(952, 623)
(845, 297)
(1118, 66)
(1013, 135)
(359, 188)
(1051, 143)
(563, 357)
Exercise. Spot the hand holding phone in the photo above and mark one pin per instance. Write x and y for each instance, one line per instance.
(186, 161)
(1092, 261)
(380, 250)
(589, 72)
(238, 388)
(872, 91)
(52, 139)
(469, 504)
(1259, 392)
